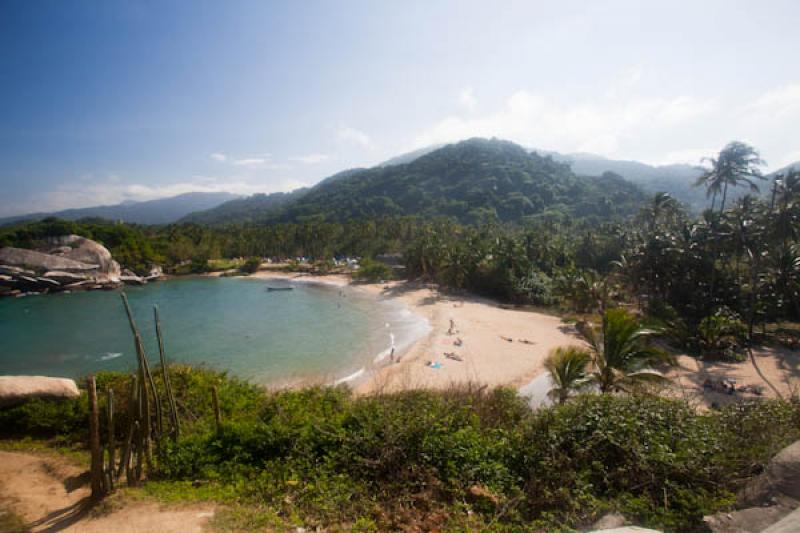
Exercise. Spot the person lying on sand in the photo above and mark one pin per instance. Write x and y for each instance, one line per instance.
(458, 342)
(507, 339)
(434, 364)
(453, 356)
(525, 341)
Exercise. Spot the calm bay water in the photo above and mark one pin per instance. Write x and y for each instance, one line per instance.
(231, 324)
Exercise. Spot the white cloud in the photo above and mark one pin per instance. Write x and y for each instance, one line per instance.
(352, 135)
(689, 156)
(89, 191)
(781, 102)
(605, 126)
(219, 157)
(466, 98)
(250, 162)
(310, 159)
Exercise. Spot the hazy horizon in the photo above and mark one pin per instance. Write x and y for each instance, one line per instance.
(103, 103)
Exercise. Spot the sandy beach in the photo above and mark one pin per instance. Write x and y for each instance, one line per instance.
(499, 345)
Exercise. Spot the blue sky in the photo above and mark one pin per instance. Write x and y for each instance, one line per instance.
(102, 102)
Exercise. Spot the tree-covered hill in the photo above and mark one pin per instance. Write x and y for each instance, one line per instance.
(474, 180)
(249, 209)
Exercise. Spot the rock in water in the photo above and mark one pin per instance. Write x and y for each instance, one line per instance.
(39, 261)
(17, 389)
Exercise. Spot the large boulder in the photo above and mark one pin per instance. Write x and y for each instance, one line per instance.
(780, 479)
(766, 499)
(88, 251)
(17, 389)
(40, 262)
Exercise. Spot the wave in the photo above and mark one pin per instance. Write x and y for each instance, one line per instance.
(109, 356)
(355, 375)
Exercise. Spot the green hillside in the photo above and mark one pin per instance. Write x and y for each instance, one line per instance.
(473, 181)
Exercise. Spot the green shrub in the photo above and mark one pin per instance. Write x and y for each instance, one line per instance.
(251, 265)
(464, 458)
(373, 271)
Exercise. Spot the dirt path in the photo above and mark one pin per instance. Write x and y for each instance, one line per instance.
(50, 494)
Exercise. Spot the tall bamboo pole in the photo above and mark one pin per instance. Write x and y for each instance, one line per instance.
(129, 442)
(215, 401)
(111, 446)
(94, 440)
(173, 410)
(145, 375)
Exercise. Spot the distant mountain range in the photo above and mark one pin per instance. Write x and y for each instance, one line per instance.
(161, 211)
(473, 180)
(677, 180)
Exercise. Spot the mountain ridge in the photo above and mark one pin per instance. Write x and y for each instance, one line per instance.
(158, 211)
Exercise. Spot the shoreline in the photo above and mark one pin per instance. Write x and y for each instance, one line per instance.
(488, 358)
(492, 344)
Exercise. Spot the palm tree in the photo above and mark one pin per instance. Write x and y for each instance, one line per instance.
(567, 366)
(735, 165)
(663, 208)
(621, 352)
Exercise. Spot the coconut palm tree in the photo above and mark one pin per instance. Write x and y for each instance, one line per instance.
(621, 352)
(568, 371)
(735, 165)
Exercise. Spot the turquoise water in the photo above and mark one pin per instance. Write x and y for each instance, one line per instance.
(312, 332)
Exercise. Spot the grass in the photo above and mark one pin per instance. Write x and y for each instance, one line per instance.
(456, 460)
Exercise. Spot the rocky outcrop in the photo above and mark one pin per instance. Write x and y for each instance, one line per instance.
(17, 389)
(766, 499)
(73, 263)
(31, 260)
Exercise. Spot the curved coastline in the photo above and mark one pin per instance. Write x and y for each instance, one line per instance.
(480, 325)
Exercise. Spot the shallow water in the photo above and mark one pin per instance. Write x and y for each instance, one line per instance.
(312, 332)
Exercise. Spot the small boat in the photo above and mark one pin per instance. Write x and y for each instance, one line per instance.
(270, 289)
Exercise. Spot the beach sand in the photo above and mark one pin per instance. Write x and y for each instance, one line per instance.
(489, 359)
(480, 324)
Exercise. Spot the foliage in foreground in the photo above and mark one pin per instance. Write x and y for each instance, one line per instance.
(465, 458)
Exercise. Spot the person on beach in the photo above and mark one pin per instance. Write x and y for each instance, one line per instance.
(452, 327)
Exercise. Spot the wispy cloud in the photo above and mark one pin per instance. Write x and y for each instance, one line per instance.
(251, 162)
(310, 159)
(541, 121)
(354, 136)
(219, 156)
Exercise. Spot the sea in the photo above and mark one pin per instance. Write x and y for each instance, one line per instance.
(314, 333)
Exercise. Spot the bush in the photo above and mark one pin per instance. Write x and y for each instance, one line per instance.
(373, 271)
(458, 459)
(251, 265)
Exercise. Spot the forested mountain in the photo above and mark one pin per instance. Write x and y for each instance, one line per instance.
(678, 180)
(247, 209)
(161, 211)
(472, 181)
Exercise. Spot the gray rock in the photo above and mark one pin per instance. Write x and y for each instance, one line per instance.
(766, 499)
(609, 520)
(65, 277)
(42, 262)
(88, 251)
(15, 271)
(17, 389)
